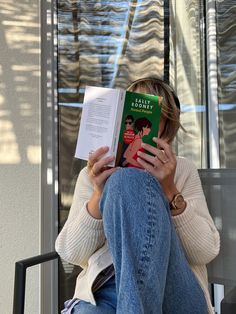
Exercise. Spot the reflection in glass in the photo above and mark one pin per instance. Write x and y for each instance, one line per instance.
(226, 38)
(187, 72)
(100, 43)
(110, 44)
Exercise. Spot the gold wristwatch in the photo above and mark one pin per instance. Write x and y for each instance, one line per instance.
(178, 202)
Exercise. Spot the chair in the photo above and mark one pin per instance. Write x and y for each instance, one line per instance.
(219, 188)
(20, 278)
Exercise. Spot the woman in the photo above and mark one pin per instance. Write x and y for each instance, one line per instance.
(142, 237)
(143, 125)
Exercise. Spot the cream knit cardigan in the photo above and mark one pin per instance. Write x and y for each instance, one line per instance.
(82, 241)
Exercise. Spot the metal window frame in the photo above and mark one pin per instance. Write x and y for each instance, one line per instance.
(213, 109)
(212, 85)
(49, 166)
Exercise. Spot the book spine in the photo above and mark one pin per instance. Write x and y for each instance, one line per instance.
(119, 113)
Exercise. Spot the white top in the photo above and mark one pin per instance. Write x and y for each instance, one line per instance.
(82, 241)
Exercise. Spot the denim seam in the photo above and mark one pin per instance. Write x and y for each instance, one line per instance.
(148, 243)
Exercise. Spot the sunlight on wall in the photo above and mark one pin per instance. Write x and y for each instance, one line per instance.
(9, 150)
(20, 140)
(34, 154)
(19, 73)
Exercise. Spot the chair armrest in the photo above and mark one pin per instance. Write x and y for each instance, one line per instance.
(20, 276)
(228, 304)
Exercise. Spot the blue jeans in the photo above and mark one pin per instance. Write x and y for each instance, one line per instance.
(106, 300)
(152, 275)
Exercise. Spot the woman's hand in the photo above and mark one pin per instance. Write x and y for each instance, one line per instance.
(98, 168)
(98, 171)
(162, 165)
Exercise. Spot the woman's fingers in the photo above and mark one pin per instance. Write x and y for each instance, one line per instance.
(95, 156)
(149, 148)
(147, 166)
(100, 178)
(146, 157)
(163, 152)
(98, 167)
(166, 147)
(103, 162)
(158, 154)
(103, 176)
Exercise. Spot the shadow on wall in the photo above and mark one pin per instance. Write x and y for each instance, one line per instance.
(19, 144)
(19, 88)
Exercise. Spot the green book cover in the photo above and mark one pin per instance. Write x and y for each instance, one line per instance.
(140, 123)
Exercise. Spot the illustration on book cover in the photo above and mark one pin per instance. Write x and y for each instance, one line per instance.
(140, 123)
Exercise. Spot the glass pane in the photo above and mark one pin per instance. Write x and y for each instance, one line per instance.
(100, 43)
(187, 75)
(226, 39)
(109, 44)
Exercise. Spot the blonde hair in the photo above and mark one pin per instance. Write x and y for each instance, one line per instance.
(170, 103)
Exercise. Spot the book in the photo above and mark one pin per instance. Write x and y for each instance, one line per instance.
(119, 119)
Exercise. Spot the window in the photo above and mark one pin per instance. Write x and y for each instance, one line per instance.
(110, 44)
(226, 37)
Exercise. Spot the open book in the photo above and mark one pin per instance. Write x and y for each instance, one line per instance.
(119, 119)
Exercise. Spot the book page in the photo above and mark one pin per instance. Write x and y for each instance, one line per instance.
(97, 121)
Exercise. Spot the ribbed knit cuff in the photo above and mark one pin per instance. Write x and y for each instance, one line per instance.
(89, 221)
(184, 218)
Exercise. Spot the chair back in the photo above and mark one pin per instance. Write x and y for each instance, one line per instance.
(219, 186)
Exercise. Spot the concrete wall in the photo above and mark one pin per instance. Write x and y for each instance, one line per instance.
(20, 166)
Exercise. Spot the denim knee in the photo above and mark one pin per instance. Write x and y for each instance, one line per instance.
(129, 185)
(130, 178)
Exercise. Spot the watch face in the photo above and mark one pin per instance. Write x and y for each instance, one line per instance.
(179, 201)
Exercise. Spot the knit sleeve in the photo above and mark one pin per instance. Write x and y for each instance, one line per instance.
(195, 227)
(82, 234)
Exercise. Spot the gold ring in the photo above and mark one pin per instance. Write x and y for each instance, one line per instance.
(89, 165)
(165, 161)
(92, 172)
